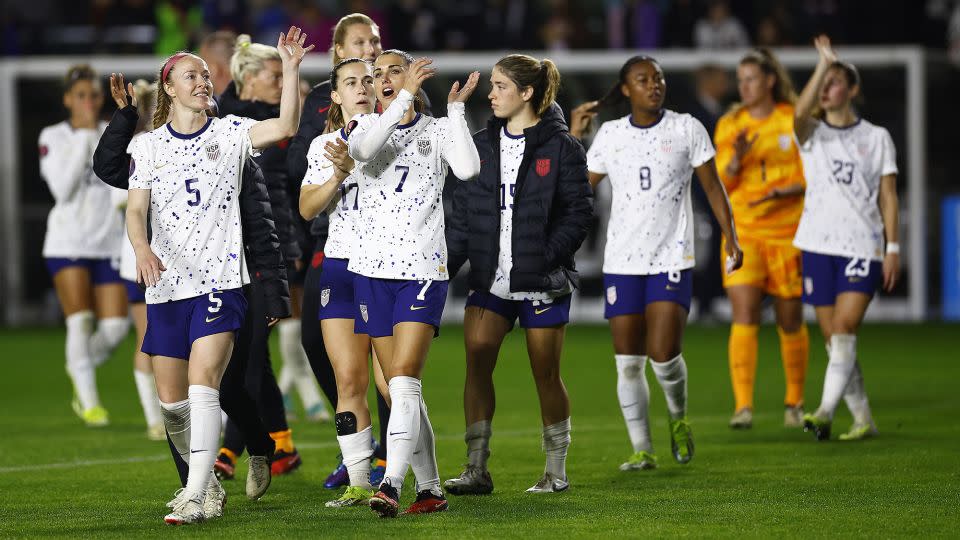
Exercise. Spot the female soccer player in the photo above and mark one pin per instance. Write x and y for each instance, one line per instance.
(140, 93)
(331, 186)
(402, 254)
(760, 167)
(521, 257)
(649, 156)
(851, 206)
(187, 174)
(83, 234)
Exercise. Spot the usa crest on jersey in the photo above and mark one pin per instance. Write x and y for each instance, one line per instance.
(543, 167)
(423, 146)
(213, 151)
(324, 297)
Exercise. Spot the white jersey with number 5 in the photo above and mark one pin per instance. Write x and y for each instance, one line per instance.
(651, 220)
(194, 182)
(401, 227)
(843, 167)
(343, 210)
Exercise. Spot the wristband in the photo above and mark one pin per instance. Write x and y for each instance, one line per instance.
(893, 247)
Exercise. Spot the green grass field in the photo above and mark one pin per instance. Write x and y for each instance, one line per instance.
(58, 478)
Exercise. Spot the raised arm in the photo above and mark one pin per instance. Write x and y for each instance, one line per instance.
(336, 165)
(274, 130)
(720, 204)
(803, 122)
(459, 150)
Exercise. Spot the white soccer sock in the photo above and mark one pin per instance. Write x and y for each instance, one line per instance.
(478, 443)
(79, 364)
(634, 396)
(286, 378)
(296, 364)
(147, 390)
(556, 440)
(424, 459)
(110, 332)
(176, 418)
(843, 356)
(856, 397)
(672, 376)
(403, 431)
(357, 448)
(204, 435)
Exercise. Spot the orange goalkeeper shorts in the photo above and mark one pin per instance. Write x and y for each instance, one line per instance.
(771, 265)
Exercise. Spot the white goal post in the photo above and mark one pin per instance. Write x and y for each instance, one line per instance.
(607, 63)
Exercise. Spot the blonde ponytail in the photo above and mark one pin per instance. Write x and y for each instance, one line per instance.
(248, 59)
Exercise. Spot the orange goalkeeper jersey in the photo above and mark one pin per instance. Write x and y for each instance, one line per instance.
(773, 161)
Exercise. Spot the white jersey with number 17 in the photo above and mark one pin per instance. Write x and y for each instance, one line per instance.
(342, 211)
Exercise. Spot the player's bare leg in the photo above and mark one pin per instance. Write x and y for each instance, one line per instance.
(545, 346)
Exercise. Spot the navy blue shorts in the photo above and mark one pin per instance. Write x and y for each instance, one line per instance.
(629, 294)
(532, 313)
(382, 303)
(135, 295)
(172, 327)
(101, 271)
(826, 276)
(336, 290)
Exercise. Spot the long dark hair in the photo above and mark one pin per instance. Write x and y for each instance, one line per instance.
(335, 118)
(614, 97)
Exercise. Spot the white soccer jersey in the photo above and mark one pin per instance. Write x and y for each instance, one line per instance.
(194, 182)
(401, 227)
(651, 219)
(344, 209)
(128, 259)
(511, 154)
(82, 223)
(843, 167)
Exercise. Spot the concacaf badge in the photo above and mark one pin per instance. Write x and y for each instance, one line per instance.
(213, 151)
(423, 146)
(363, 313)
(324, 297)
(612, 295)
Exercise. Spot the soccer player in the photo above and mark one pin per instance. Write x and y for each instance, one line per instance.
(84, 232)
(850, 208)
(402, 255)
(140, 93)
(521, 257)
(649, 156)
(187, 174)
(759, 164)
(331, 185)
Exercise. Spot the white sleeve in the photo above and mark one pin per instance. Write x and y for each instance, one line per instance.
(64, 159)
(701, 149)
(457, 147)
(595, 156)
(141, 164)
(319, 168)
(368, 138)
(888, 154)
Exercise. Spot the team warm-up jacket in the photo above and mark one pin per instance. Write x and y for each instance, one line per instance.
(111, 163)
(552, 209)
(273, 163)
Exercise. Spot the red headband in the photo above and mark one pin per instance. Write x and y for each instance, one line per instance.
(169, 65)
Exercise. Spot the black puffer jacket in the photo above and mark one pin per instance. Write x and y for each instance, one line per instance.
(273, 162)
(552, 209)
(112, 164)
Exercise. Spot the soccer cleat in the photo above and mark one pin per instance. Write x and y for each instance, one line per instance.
(472, 481)
(858, 432)
(793, 416)
(285, 462)
(224, 467)
(377, 470)
(319, 413)
(186, 510)
(258, 476)
(157, 432)
(178, 496)
(681, 440)
(742, 419)
(214, 499)
(548, 483)
(385, 502)
(339, 477)
(428, 502)
(640, 461)
(352, 496)
(819, 426)
(96, 417)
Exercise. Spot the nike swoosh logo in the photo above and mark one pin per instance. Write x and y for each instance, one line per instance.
(539, 311)
(195, 451)
(397, 433)
(417, 308)
(628, 406)
(209, 320)
(162, 165)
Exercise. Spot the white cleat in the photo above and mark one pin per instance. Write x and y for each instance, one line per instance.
(258, 476)
(187, 510)
(549, 484)
(214, 499)
(742, 419)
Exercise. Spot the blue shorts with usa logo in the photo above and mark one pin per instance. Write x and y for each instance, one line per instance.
(336, 290)
(630, 294)
(531, 313)
(826, 276)
(101, 271)
(172, 327)
(382, 303)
